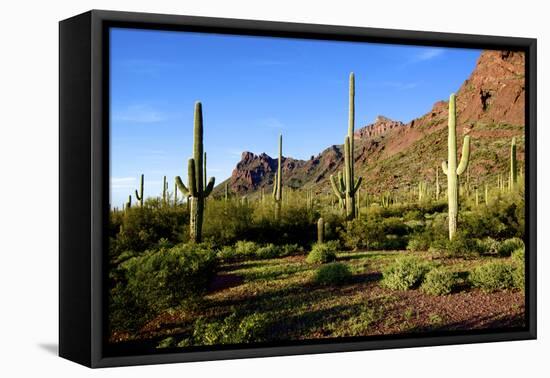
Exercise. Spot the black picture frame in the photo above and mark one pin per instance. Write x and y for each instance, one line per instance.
(84, 180)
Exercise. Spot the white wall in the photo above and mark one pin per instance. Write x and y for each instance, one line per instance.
(29, 189)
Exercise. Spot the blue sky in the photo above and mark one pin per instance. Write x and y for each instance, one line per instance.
(252, 89)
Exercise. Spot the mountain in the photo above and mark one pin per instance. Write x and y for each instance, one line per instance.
(393, 155)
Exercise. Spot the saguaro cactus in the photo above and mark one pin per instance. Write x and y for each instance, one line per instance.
(321, 230)
(175, 193)
(226, 192)
(129, 203)
(278, 183)
(164, 189)
(512, 182)
(197, 192)
(451, 169)
(437, 186)
(139, 195)
(347, 186)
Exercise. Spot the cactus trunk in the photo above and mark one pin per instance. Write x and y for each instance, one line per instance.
(451, 169)
(321, 230)
(346, 187)
(278, 183)
(513, 166)
(196, 192)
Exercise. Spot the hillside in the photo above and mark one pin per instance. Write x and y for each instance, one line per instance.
(391, 155)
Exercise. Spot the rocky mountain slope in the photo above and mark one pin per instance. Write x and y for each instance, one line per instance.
(391, 155)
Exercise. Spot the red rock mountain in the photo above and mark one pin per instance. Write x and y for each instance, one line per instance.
(391, 155)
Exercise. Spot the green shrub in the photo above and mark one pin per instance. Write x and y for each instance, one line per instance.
(158, 280)
(245, 248)
(321, 254)
(332, 274)
(269, 251)
(234, 329)
(405, 273)
(488, 245)
(510, 245)
(518, 256)
(419, 242)
(493, 276)
(291, 249)
(375, 233)
(439, 281)
(518, 275)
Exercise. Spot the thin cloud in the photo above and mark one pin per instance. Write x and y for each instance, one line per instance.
(272, 123)
(139, 114)
(427, 54)
(122, 182)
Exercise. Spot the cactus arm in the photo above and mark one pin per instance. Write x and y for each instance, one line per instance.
(137, 195)
(209, 187)
(444, 167)
(357, 185)
(465, 158)
(335, 188)
(182, 187)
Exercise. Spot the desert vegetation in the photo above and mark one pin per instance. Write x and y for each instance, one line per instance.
(216, 267)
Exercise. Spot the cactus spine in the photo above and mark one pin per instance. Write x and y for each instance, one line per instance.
(451, 169)
(196, 192)
(278, 183)
(346, 188)
(139, 195)
(512, 183)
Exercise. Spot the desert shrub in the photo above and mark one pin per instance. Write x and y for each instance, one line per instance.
(461, 245)
(141, 228)
(245, 248)
(439, 281)
(375, 233)
(508, 246)
(518, 256)
(226, 222)
(404, 273)
(234, 329)
(332, 274)
(321, 254)
(419, 242)
(158, 280)
(291, 249)
(518, 274)
(269, 251)
(493, 276)
(488, 245)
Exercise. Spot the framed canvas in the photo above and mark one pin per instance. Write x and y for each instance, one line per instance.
(230, 189)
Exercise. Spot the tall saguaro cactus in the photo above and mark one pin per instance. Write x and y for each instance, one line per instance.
(196, 192)
(345, 188)
(278, 183)
(451, 169)
(512, 182)
(139, 195)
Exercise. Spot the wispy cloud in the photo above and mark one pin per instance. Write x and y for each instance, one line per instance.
(122, 182)
(398, 85)
(139, 114)
(427, 54)
(148, 67)
(272, 123)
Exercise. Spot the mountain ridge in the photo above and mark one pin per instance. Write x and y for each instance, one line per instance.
(490, 108)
